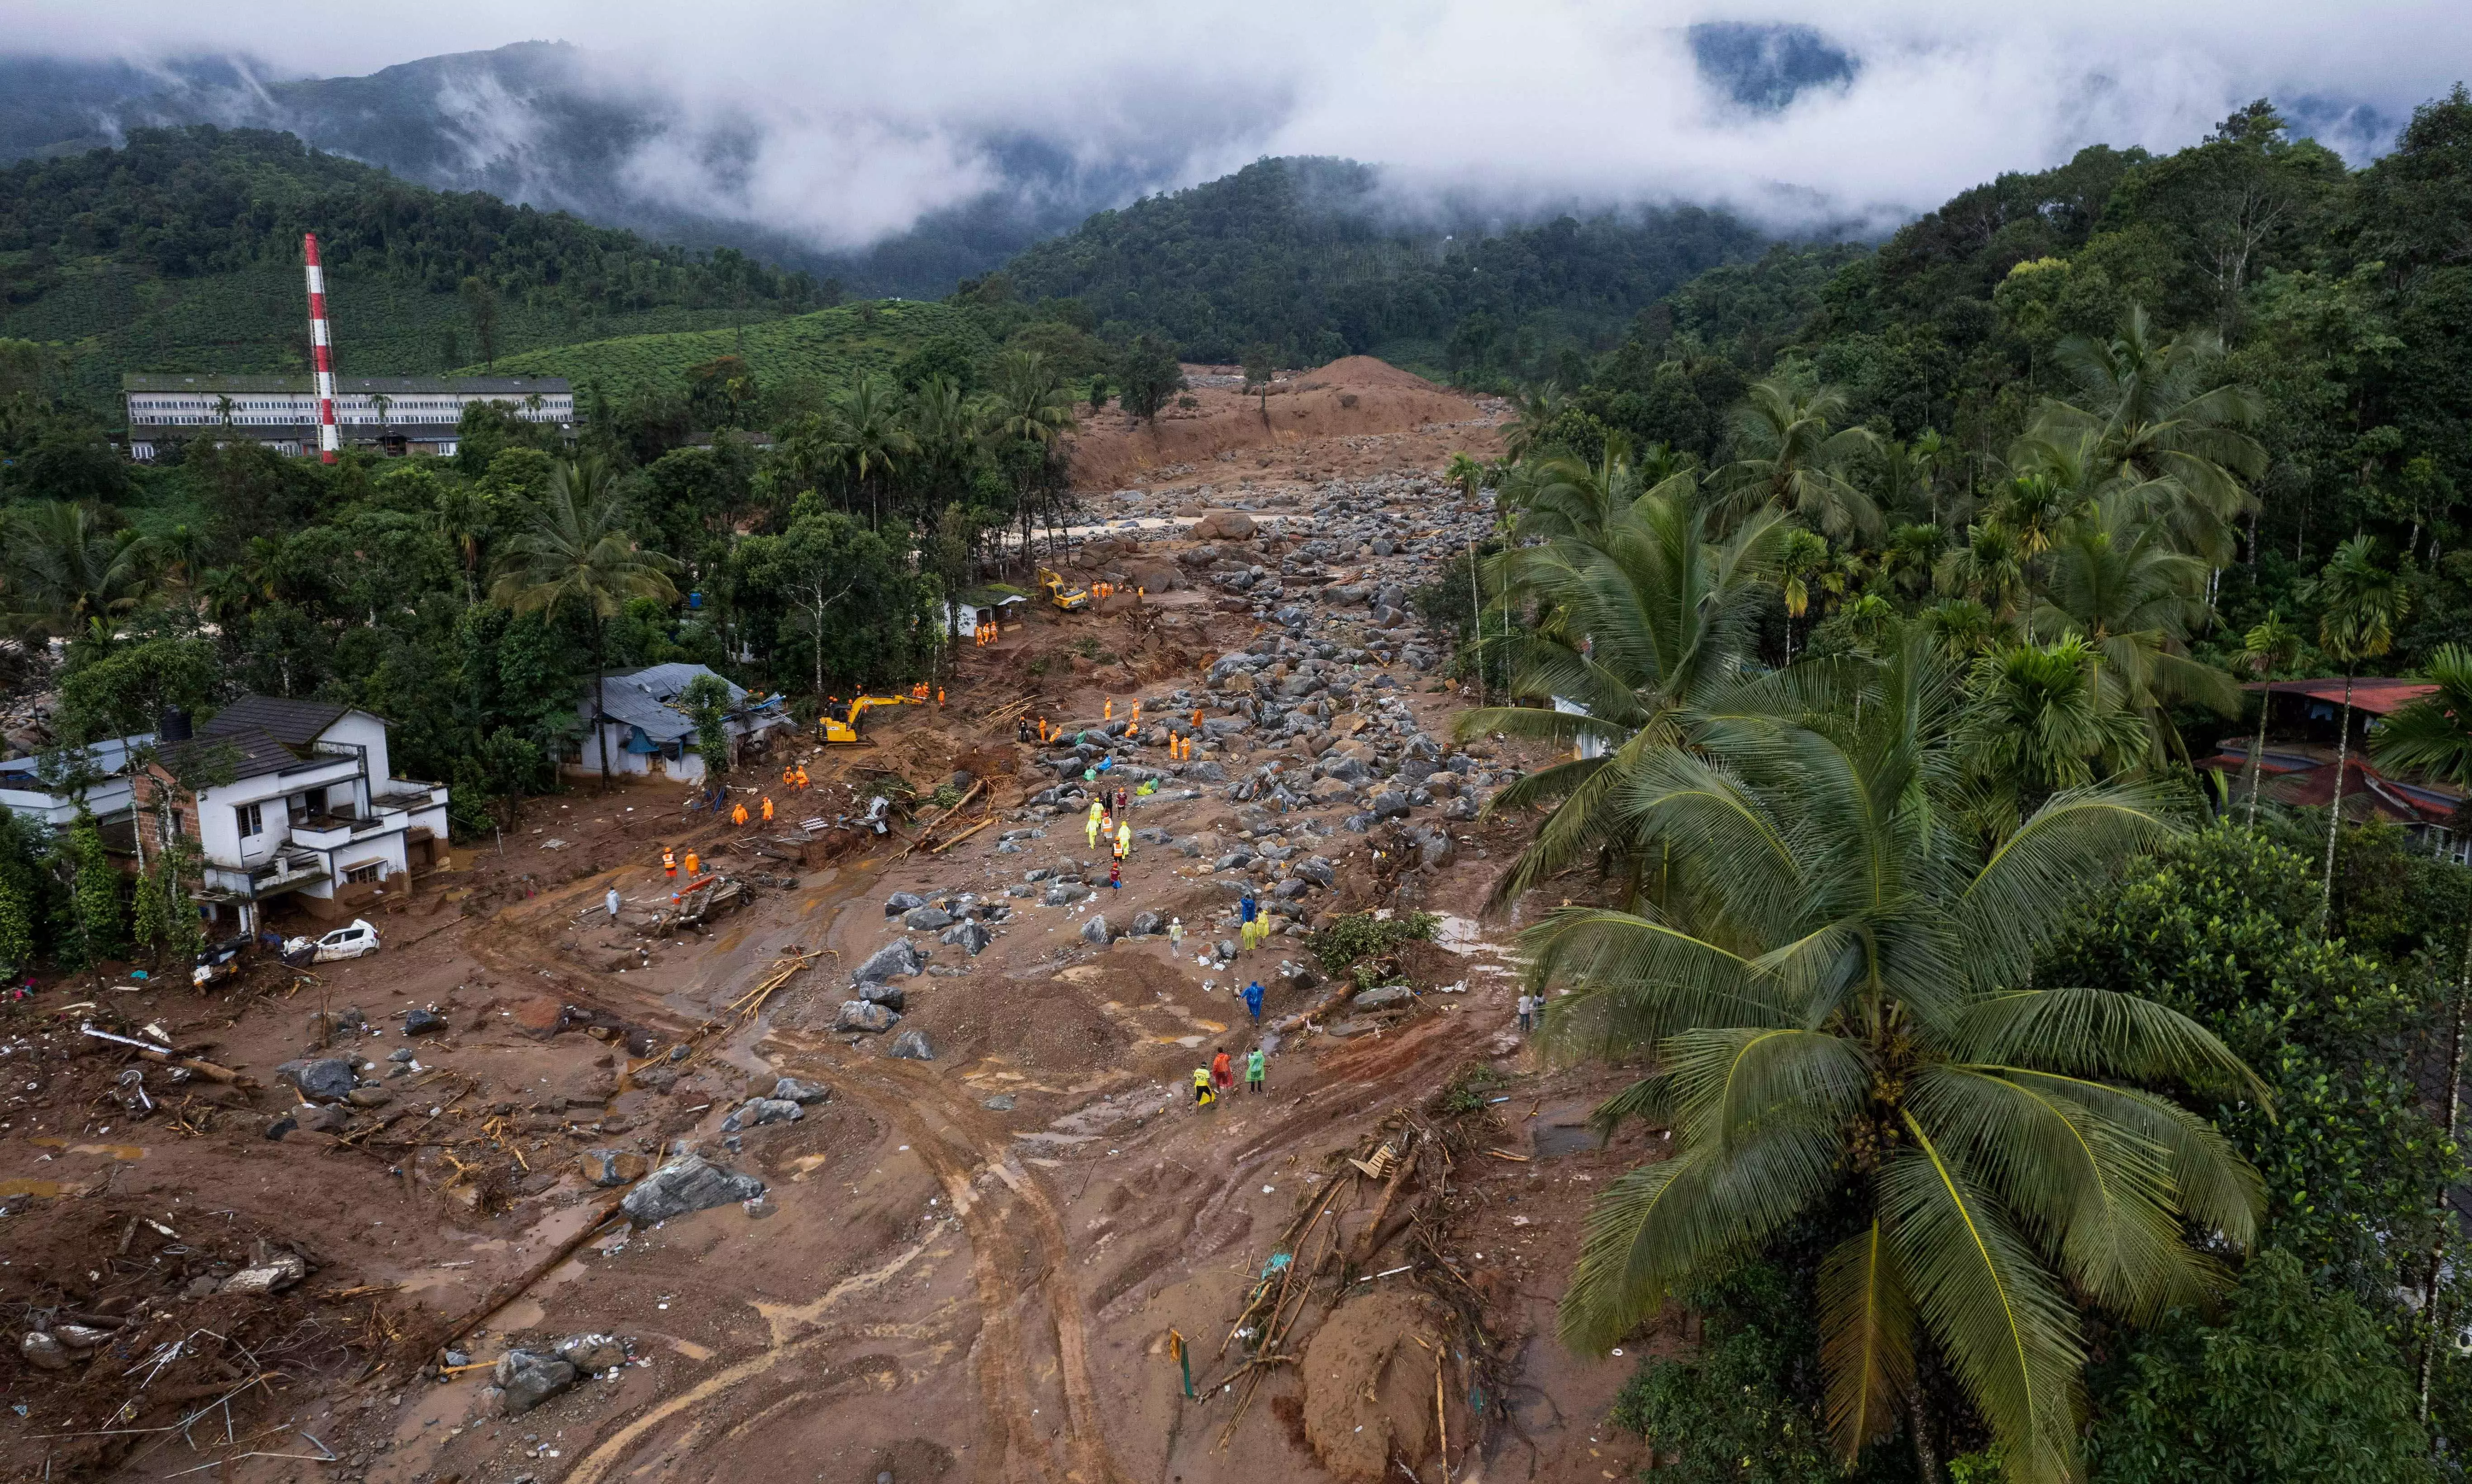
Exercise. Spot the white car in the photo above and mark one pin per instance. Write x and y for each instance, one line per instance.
(355, 940)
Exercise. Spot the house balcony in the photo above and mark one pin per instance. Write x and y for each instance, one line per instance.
(287, 872)
(334, 831)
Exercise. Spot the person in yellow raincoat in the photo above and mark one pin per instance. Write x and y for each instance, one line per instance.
(1097, 811)
(1125, 841)
(1202, 1096)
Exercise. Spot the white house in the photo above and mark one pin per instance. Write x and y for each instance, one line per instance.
(311, 808)
(990, 605)
(646, 731)
(54, 805)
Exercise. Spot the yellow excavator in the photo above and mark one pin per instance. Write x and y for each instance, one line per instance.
(1066, 599)
(842, 731)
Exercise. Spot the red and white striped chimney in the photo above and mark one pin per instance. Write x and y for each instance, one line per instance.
(321, 345)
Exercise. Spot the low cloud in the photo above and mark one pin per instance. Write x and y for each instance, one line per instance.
(838, 125)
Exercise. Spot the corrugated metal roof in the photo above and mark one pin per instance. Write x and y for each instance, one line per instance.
(2376, 695)
(640, 698)
(349, 386)
(253, 753)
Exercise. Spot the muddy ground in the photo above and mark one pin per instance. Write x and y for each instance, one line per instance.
(965, 1268)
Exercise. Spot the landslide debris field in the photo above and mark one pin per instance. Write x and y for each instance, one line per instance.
(895, 1169)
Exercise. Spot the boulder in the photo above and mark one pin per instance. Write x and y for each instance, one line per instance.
(798, 1091)
(1096, 931)
(326, 1078)
(900, 902)
(893, 961)
(1148, 925)
(610, 1168)
(1316, 868)
(592, 1352)
(43, 1352)
(424, 1022)
(322, 1117)
(927, 919)
(1383, 994)
(1390, 804)
(970, 936)
(756, 1111)
(525, 1378)
(689, 1182)
(1064, 894)
(911, 1046)
(1227, 526)
(860, 1015)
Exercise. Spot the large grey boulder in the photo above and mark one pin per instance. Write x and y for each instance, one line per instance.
(326, 1078)
(926, 920)
(860, 1015)
(1096, 930)
(1064, 894)
(592, 1351)
(1383, 995)
(1148, 925)
(911, 1046)
(528, 1378)
(756, 1111)
(891, 996)
(970, 938)
(893, 961)
(797, 1090)
(689, 1182)
(900, 902)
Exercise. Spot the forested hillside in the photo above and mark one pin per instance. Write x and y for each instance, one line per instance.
(1305, 256)
(181, 251)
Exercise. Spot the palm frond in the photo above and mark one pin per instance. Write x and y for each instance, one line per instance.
(1867, 1349)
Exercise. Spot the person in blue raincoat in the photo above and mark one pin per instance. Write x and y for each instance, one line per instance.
(1253, 1000)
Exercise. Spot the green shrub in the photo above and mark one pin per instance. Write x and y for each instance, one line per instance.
(1345, 940)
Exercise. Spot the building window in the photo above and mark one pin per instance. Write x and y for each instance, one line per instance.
(246, 817)
(367, 873)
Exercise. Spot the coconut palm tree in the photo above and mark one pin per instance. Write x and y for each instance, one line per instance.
(577, 552)
(2157, 418)
(1531, 413)
(1795, 457)
(1633, 628)
(65, 568)
(1568, 496)
(868, 435)
(2270, 646)
(1842, 1027)
(2361, 605)
(1028, 404)
(2115, 580)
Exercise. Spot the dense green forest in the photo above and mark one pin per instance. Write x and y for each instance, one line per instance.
(1303, 255)
(2042, 1106)
(181, 251)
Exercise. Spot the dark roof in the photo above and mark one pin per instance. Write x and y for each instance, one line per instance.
(253, 753)
(2376, 695)
(293, 723)
(353, 386)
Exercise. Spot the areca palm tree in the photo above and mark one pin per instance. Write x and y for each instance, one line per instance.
(2361, 605)
(2037, 722)
(2154, 417)
(2432, 735)
(2115, 580)
(1842, 1028)
(1633, 627)
(64, 568)
(577, 552)
(1796, 457)
(1989, 568)
(2270, 646)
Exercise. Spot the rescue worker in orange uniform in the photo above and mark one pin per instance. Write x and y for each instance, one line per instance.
(669, 863)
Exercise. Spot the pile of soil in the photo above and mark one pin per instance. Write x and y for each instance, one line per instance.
(1368, 1374)
(1352, 398)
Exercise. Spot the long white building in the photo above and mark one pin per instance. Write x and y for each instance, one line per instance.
(400, 413)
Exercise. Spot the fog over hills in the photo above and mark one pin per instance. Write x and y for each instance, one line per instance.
(900, 150)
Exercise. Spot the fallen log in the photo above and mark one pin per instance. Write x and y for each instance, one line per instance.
(153, 1053)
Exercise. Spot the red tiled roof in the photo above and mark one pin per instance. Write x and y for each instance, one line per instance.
(2378, 695)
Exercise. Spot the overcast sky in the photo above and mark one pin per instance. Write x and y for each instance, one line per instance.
(871, 111)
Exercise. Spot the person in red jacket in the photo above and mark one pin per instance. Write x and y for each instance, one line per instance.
(1223, 1073)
